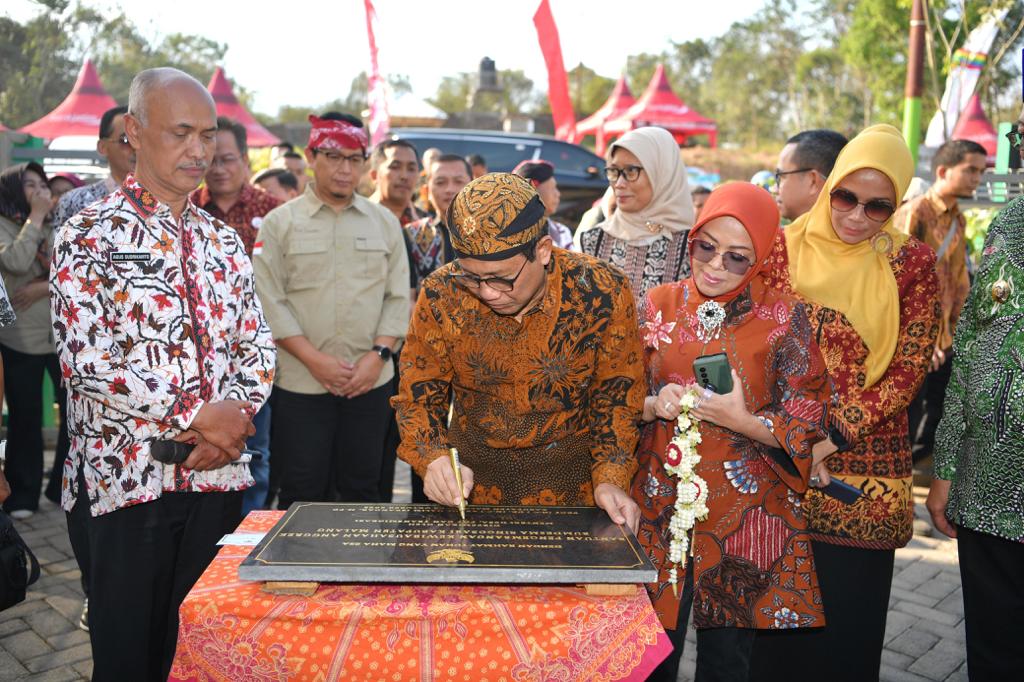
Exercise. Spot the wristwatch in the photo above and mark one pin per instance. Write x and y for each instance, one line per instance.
(384, 352)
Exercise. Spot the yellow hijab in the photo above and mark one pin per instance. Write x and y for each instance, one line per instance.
(855, 279)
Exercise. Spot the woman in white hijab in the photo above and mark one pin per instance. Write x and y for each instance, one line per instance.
(646, 235)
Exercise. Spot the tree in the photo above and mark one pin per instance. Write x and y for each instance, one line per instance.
(42, 57)
(640, 68)
(518, 96)
(587, 90)
(37, 71)
(750, 88)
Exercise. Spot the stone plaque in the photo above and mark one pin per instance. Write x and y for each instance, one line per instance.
(428, 543)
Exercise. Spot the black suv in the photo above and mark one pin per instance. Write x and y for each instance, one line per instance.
(577, 170)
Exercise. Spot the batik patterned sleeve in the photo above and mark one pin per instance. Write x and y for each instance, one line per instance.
(618, 391)
(949, 435)
(861, 410)
(253, 352)
(7, 316)
(799, 393)
(425, 386)
(91, 361)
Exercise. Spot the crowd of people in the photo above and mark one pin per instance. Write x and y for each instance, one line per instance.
(330, 331)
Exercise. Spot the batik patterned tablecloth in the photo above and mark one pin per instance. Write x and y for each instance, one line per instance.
(232, 630)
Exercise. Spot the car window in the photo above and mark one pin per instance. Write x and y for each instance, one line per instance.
(501, 154)
(571, 160)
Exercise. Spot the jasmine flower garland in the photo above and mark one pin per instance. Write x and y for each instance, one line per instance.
(681, 459)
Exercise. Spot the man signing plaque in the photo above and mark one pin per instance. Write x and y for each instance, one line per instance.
(538, 352)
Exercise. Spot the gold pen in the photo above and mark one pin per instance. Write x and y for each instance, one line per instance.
(458, 480)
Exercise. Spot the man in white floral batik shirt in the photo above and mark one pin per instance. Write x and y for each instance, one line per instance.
(160, 337)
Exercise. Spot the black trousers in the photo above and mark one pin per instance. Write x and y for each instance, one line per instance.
(992, 577)
(143, 560)
(391, 441)
(330, 448)
(925, 411)
(23, 383)
(723, 654)
(855, 585)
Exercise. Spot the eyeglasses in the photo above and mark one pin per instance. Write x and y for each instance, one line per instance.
(779, 174)
(503, 284)
(878, 210)
(121, 139)
(733, 262)
(1015, 137)
(631, 173)
(337, 158)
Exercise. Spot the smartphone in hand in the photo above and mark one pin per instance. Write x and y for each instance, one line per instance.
(714, 372)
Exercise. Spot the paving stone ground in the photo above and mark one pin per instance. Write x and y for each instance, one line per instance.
(924, 639)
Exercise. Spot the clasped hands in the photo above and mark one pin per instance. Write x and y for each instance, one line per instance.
(219, 432)
(347, 379)
(440, 486)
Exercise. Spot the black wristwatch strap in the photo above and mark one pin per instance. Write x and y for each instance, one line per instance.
(384, 352)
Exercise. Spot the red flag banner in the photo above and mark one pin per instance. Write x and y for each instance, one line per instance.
(558, 83)
(380, 119)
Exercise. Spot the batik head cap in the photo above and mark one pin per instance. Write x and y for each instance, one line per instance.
(329, 134)
(495, 217)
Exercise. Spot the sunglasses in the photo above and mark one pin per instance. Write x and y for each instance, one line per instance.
(733, 262)
(878, 210)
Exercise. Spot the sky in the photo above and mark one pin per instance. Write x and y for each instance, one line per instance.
(306, 53)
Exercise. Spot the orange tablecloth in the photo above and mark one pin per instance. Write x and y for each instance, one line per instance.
(231, 630)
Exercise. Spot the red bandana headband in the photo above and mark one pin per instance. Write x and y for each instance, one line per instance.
(327, 134)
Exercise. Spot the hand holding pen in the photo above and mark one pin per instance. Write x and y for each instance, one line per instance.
(441, 485)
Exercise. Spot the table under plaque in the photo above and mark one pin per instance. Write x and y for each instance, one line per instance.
(231, 629)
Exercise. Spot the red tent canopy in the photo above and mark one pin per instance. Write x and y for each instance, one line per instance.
(228, 105)
(660, 107)
(80, 112)
(975, 126)
(618, 102)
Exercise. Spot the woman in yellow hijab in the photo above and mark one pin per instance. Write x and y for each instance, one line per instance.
(872, 296)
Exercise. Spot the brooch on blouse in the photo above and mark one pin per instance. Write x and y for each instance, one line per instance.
(1001, 291)
(710, 316)
(882, 243)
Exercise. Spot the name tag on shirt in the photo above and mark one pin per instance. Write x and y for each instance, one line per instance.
(131, 257)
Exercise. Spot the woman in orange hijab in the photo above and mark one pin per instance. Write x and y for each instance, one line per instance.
(871, 295)
(739, 507)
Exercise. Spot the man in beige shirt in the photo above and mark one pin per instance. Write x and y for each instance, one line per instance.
(333, 277)
(935, 219)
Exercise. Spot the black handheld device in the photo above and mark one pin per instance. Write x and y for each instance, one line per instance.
(173, 452)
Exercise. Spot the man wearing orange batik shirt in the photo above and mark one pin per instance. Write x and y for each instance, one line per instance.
(539, 351)
(160, 337)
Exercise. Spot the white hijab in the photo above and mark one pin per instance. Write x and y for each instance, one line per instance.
(671, 207)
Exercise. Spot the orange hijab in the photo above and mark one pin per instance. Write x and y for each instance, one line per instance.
(756, 209)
